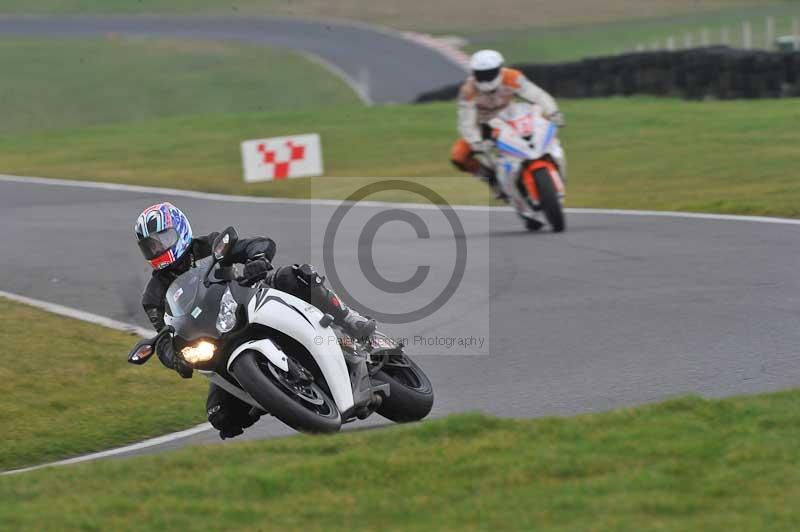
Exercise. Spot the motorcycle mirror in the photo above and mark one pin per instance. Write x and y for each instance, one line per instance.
(141, 352)
(144, 349)
(224, 243)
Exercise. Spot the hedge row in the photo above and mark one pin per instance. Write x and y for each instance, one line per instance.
(713, 72)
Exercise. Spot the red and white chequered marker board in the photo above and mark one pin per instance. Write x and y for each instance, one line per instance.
(282, 157)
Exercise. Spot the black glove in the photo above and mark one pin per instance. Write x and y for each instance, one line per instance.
(166, 354)
(256, 270)
(183, 370)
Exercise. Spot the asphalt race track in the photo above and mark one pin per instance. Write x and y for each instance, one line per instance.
(620, 310)
(380, 64)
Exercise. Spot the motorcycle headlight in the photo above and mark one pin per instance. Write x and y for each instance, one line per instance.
(226, 319)
(198, 353)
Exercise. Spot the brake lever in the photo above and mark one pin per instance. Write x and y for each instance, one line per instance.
(262, 256)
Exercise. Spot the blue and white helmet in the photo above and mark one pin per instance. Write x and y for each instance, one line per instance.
(164, 234)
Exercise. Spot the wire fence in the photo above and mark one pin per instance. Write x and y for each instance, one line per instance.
(771, 33)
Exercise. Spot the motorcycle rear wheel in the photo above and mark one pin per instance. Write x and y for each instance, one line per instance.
(549, 201)
(304, 406)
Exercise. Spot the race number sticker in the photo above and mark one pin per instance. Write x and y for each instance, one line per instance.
(280, 158)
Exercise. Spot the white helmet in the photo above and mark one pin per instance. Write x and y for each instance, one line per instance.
(485, 66)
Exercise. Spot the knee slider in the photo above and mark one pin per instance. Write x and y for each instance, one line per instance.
(307, 275)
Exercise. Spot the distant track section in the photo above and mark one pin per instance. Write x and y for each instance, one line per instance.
(381, 65)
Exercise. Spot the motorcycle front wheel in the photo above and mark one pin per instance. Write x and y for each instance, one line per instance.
(300, 403)
(410, 390)
(548, 198)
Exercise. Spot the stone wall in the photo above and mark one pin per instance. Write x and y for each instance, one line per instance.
(701, 73)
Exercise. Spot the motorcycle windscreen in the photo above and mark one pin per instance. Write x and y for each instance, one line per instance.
(545, 133)
(193, 307)
(184, 291)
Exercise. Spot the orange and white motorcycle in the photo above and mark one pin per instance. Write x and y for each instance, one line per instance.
(529, 164)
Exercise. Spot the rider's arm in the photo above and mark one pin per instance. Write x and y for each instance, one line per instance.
(257, 255)
(529, 91)
(153, 300)
(468, 115)
(153, 303)
(250, 248)
(244, 249)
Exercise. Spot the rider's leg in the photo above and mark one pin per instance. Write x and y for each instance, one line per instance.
(464, 159)
(303, 281)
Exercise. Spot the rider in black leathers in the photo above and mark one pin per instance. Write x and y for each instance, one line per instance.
(227, 413)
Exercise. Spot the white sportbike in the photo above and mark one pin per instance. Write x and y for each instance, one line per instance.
(529, 163)
(281, 354)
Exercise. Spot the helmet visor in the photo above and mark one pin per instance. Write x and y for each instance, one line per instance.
(482, 76)
(159, 243)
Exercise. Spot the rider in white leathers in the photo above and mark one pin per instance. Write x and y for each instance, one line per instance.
(488, 90)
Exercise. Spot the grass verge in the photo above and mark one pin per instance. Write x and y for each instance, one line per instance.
(639, 153)
(69, 390)
(687, 464)
(117, 80)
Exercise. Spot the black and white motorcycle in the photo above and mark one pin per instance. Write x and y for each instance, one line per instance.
(281, 354)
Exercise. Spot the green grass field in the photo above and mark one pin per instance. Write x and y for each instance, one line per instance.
(131, 80)
(466, 15)
(69, 390)
(567, 43)
(687, 464)
(639, 153)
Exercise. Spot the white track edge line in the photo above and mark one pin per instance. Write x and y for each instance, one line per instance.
(208, 196)
(118, 450)
(76, 314)
(361, 90)
(88, 317)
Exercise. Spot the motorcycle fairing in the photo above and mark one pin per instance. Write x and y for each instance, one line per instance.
(267, 348)
(514, 150)
(300, 320)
